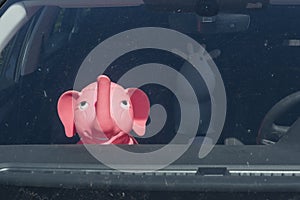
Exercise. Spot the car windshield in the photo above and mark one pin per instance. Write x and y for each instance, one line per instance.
(148, 72)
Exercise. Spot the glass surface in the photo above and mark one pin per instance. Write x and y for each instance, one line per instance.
(259, 65)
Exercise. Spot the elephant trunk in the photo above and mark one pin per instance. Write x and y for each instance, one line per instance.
(103, 104)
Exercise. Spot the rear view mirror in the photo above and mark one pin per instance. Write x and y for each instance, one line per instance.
(221, 23)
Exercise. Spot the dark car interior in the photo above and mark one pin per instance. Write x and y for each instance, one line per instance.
(257, 65)
(255, 50)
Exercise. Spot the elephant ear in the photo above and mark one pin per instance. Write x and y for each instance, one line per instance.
(65, 109)
(141, 109)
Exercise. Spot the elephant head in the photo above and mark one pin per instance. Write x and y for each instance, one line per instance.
(103, 111)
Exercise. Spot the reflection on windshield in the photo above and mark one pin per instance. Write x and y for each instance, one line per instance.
(257, 62)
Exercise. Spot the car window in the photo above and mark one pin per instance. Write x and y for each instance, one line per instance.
(143, 94)
(246, 66)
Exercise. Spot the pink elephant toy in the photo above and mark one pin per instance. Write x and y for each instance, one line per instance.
(104, 113)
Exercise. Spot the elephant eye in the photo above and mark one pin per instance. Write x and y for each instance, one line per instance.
(124, 104)
(83, 105)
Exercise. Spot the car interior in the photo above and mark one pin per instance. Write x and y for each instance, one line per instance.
(257, 60)
(258, 70)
